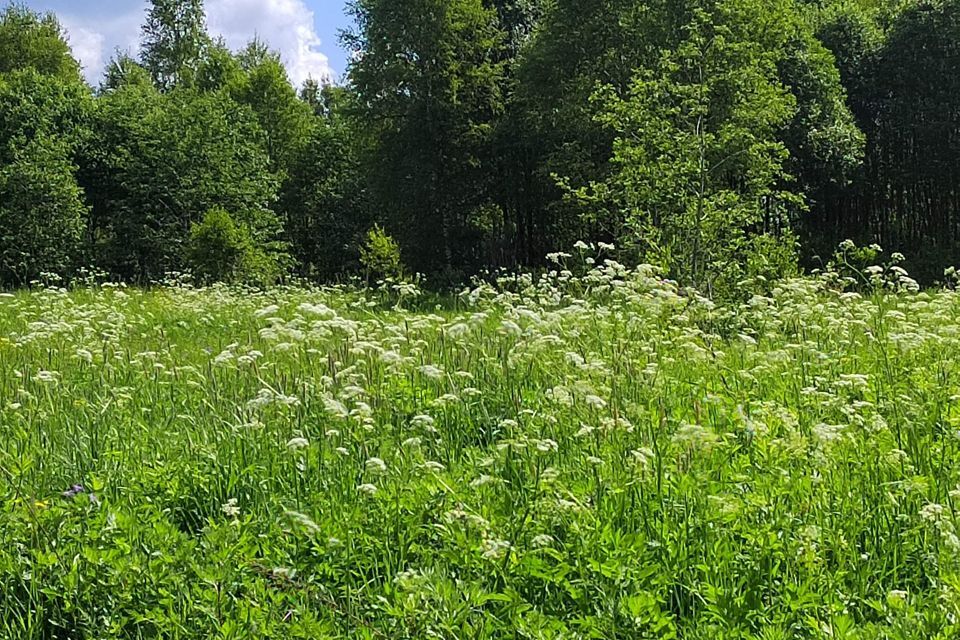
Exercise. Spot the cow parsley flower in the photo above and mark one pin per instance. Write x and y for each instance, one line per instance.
(431, 372)
(542, 541)
(495, 549)
(295, 444)
(376, 465)
(230, 508)
(368, 489)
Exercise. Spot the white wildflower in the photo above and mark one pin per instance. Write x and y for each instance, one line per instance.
(368, 489)
(424, 421)
(230, 508)
(694, 436)
(827, 433)
(481, 481)
(549, 475)
(267, 311)
(495, 549)
(295, 444)
(547, 446)
(595, 402)
(431, 372)
(458, 331)
(303, 521)
(376, 465)
(510, 328)
(541, 541)
(932, 512)
(46, 377)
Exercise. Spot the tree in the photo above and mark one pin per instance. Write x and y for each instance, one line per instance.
(577, 47)
(697, 159)
(220, 69)
(263, 85)
(580, 46)
(158, 162)
(380, 255)
(517, 19)
(852, 33)
(428, 92)
(174, 40)
(31, 40)
(327, 101)
(898, 63)
(124, 71)
(825, 143)
(42, 213)
(325, 201)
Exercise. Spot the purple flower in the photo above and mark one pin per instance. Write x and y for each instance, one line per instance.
(73, 492)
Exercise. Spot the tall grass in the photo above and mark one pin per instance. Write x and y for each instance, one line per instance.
(575, 456)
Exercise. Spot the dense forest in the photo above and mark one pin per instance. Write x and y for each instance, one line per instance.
(724, 140)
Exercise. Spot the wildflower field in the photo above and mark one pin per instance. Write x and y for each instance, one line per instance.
(596, 455)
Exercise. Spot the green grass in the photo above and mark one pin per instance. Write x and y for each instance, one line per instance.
(574, 457)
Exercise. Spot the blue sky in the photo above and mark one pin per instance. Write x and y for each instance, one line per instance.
(304, 31)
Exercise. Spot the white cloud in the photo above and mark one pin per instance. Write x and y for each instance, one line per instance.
(94, 39)
(87, 46)
(285, 25)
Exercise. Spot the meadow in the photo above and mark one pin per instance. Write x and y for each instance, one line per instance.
(593, 453)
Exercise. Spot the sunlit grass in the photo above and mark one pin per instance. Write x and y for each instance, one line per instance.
(596, 455)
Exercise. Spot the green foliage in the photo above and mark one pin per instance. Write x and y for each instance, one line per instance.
(157, 162)
(124, 71)
(896, 60)
(264, 87)
(173, 42)
(615, 44)
(29, 40)
(518, 19)
(220, 69)
(217, 247)
(552, 130)
(853, 35)
(325, 206)
(825, 144)
(330, 102)
(42, 212)
(697, 160)
(380, 255)
(696, 134)
(428, 94)
(223, 250)
(592, 456)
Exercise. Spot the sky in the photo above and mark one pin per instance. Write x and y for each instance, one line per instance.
(304, 31)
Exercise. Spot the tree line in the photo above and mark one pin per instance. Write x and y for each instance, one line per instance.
(724, 140)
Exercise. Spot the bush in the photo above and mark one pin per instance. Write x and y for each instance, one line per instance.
(223, 250)
(380, 255)
(41, 212)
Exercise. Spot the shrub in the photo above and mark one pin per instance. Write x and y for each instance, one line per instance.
(223, 250)
(380, 255)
